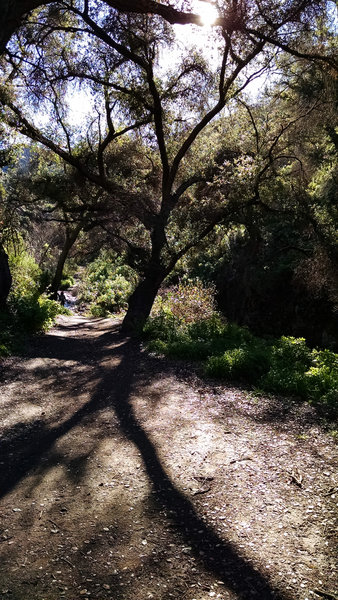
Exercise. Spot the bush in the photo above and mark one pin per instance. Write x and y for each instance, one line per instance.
(187, 303)
(185, 321)
(28, 311)
(286, 366)
(247, 363)
(290, 359)
(35, 314)
(212, 327)
(164, 327)
(106, 285)
(6, 334)
(26, 273)
(184, 312)
(322, 379)
(67, 282)
(310, 374)
(291, 353)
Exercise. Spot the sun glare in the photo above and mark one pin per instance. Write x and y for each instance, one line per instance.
(207, 12)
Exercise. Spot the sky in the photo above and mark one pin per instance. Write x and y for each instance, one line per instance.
(187, 36)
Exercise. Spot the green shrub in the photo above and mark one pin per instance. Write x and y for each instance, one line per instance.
(28, 311)
(106, 285)
(246, 363)
(322, 379)
(4, 350)
(66, 282)
(212, 327)
(164, 327)
(189, 349)
(291, 353)
(34, 314)
(310, 374)
(6, 334)
(184, 311)
(25, 272)
(290, 359)
(286, 366)
(45, 280)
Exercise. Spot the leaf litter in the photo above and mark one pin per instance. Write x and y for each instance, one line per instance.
(254, 478)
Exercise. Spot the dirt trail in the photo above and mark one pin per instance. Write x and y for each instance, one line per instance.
(126, 477)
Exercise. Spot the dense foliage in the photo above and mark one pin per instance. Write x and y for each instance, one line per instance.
(105, 285)
(28, 310)
(285, 365)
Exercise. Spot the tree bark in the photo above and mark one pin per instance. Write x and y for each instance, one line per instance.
(70, 240)
(141, 301)
(5, 277)
(12, 13)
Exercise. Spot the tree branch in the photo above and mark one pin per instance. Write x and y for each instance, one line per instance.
(214, 111)
(287, 48)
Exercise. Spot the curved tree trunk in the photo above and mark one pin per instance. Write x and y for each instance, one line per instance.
(12, 13)
(141, 302)
(70, 240)
(5, 277)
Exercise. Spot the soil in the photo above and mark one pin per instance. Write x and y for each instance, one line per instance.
(125, 476)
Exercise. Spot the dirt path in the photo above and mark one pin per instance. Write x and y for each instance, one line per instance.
(126, 477)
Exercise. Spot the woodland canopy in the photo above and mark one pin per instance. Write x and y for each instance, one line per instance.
(213, 158)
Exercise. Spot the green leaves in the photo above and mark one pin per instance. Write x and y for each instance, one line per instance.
(285, 366)
(106, 285)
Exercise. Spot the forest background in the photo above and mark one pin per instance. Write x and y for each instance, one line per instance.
(181, 195)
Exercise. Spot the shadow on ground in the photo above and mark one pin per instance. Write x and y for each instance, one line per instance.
(27, 446)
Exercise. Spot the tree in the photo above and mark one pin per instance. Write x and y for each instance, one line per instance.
(278, 275)
(5, 277)
(5, 274)
(116, 56)
(14, 13)
(46, 199)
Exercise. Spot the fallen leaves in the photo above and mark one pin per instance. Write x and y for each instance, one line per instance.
(113, 530)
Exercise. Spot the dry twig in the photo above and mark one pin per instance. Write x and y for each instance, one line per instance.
(296, 478)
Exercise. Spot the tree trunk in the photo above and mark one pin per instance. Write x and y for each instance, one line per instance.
(141, 302)
(70, 240)
(13, 11)
(5, 278)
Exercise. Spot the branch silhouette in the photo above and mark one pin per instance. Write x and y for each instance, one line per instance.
(31, 447)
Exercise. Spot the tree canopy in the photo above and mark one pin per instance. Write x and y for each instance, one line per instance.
(160, 151)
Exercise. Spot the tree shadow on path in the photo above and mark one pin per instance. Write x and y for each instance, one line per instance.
(219, 557)
(114, 391)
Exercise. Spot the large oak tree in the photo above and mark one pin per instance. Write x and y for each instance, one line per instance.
(116, 56)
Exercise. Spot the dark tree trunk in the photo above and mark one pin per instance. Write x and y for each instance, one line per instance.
(70, 240)
(5, 278)
(13, 11)
(141, 302)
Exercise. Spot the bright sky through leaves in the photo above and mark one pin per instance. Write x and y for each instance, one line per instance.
(207, 12)
(187, 35)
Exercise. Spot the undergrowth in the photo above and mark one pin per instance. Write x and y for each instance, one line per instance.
(27, 310)
(286, 366)
(106, 285)
(25, 316)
